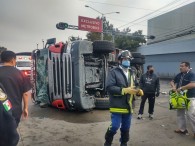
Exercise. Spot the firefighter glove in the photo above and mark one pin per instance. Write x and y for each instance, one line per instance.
(140, 92)
(129, 90)
(157, 94)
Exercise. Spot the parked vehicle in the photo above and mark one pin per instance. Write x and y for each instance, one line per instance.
(23, 63)
(72, 76)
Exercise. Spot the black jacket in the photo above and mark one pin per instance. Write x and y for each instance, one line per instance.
(149, 83)
(8, 133)
(117, 80)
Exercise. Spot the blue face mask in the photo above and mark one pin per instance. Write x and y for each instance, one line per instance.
(126, 63)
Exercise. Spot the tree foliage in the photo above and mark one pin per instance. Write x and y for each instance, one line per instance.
(2, 49)
(122, 39)
(92, 36)
(130, 42)
(72, 38)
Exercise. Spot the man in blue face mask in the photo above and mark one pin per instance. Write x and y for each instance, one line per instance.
(120, 86)
(124, 59)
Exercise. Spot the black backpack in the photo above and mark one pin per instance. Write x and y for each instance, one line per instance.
(8, 128)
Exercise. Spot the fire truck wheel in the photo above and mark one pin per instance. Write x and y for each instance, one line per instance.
(102, 103)
(137, 61)
(103, 47)
(143, 61)
(142, 56)
(136, 55)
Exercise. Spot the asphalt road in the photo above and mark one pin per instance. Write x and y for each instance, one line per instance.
(53, 127)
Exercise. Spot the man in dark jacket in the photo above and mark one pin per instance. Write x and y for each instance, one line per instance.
(9, 135)
(16, 85)
(149, 83)
(120, 86)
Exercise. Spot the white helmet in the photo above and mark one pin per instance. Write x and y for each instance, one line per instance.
(125, 54)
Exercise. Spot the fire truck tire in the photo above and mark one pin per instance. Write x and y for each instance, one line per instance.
(136, 55)
(137, 61)
(103, 47)
(142, 56)
(143, 61)
(102, 103)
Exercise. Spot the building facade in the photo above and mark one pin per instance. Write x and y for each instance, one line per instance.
(174, 41)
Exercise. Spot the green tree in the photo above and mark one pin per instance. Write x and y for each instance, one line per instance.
(130, 42)
(92, 36)
(2, 49)
(72, 38)
(122, 39)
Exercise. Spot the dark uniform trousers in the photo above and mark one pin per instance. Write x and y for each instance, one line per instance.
(151, 100)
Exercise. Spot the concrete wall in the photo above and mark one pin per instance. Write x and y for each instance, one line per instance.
(166, 56)
(167, 65)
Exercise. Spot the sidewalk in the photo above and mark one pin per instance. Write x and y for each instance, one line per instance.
(49, 127)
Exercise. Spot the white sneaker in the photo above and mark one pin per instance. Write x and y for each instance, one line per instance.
(139, 117)
(151, 116)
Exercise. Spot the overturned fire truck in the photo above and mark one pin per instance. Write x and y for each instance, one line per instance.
(72, 76)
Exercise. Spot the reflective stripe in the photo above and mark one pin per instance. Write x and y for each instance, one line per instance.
(130, 103)
(131, 97)
(119, 110)
(116, 95)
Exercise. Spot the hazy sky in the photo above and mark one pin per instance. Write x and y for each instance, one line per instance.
(24, 23)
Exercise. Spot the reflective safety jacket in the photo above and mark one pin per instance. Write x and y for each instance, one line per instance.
(178, 100)
(117, 80)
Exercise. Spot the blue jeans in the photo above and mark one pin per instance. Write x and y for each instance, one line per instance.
(117, 120)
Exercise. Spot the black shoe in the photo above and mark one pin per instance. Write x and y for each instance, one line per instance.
(151, 116)
(123, 144)
(107, 144)
(139, 117)
(109, 138)
(43, 105)
(182, 132)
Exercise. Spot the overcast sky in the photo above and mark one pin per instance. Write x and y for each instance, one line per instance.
(24, 23)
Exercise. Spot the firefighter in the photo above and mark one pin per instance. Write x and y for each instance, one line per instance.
(120, 86)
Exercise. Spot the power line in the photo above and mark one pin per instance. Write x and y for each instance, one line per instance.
(136, 8)
(176, 32)
(157, 14)
(184, 30)
(150, 13)
(120, 5)
(173, 30)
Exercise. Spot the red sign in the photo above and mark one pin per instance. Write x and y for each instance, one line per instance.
(90, 24)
